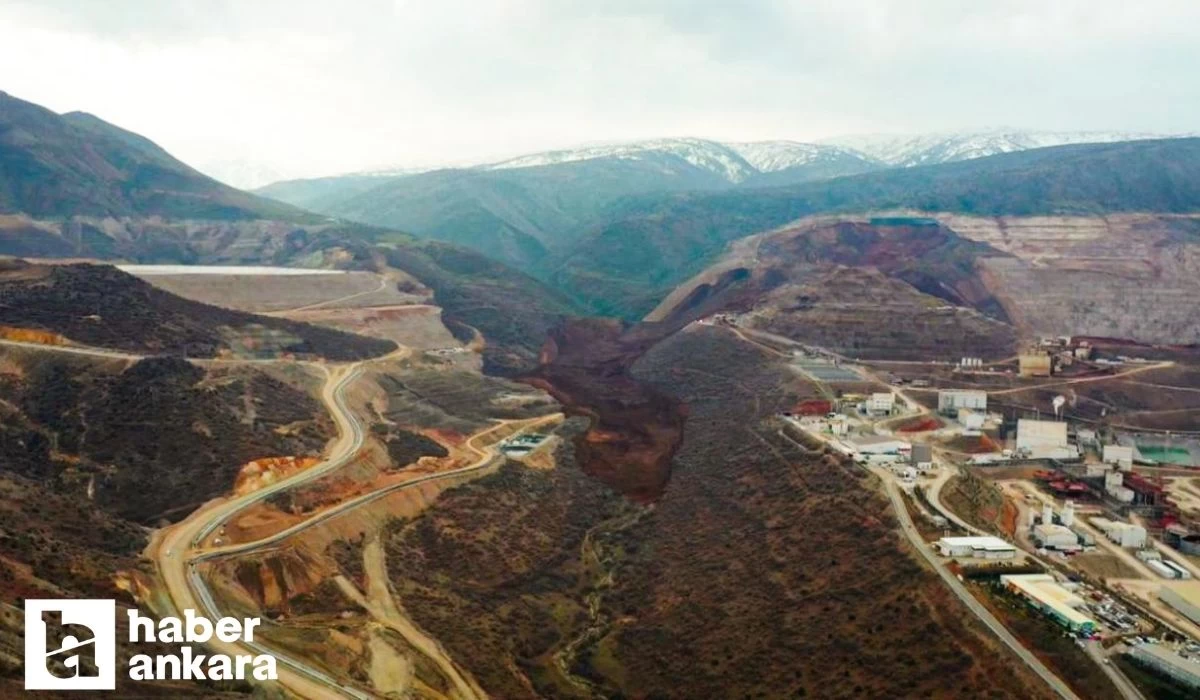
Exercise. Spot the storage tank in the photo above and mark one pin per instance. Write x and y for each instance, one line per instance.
(1068, 514)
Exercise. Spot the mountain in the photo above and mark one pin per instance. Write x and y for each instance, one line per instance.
(54, 165)
(74, 186)
(532, 210)
(907, 150)
(651, 243)
(524, 209)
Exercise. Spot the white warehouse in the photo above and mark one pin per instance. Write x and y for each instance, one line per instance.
(879, 445)
(978, 547)
(1120, 455)
(1044, 439)
(951, 400)
(881, 402)
(1124, 534)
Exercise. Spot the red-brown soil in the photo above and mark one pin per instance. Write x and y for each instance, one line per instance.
(635, 429)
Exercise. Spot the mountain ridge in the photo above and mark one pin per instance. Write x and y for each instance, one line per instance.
(56, 165)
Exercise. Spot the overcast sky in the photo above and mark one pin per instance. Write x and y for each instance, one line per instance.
(306, 87)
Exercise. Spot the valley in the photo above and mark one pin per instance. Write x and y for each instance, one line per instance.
(677, 418)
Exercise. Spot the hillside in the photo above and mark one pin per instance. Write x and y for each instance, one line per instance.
(94, 451)
(521, 210)
(762, 570)
(516, 215)
(100, 306)
(624, 266)
(55, 165)
(512, 311)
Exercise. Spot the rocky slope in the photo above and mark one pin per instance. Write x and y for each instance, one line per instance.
(624, 266)
(1121, 276)
(100, 306)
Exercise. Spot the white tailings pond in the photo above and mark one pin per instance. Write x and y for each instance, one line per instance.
(259, 270)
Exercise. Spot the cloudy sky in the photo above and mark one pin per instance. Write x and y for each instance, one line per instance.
(264, 88)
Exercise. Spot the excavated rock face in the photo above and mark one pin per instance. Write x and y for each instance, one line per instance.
(1133, 276)
(899, 287)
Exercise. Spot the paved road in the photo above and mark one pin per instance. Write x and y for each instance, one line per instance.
(177, 559)
(1127, 689)
(187, 588)
(486, 459)
(984, 615)
(934, 493)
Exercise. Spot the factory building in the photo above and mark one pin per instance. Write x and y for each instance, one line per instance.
(1114, 485)
(881, 402)
(1042, 592)
(978, 547)
(950, 401)
(879, 445)
(1184, 596)
(1035, 364)
(922, 457)
(1060, 537)
(970, 419)
(1186, 671)
(1119, 455)
(1044, 439)
(1124, 534)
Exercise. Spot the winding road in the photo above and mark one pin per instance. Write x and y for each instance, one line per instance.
(187, 589)
(181, 550)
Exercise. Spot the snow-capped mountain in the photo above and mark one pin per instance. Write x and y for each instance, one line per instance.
(905, 150)
(735, 162)
(773, 156)
(707, 155)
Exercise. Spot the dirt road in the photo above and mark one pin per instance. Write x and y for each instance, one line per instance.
(172, 548)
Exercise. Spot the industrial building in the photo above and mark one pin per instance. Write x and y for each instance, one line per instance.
(1045, 594)
(970, 419)
(1167, 662)
(1184, 596)
(1113, 484)
(1124, 534)
(1158, 567)
(1044, 439)
(1060, 537)
(978, 547)
(1119, 455)
(1035, 364)
(951, 400)
(922, 457)
(881, 402)
(879, 445)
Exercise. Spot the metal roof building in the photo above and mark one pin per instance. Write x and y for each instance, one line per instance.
(1045, 594)
(949, 401)
(1186, 671)
(985, 547)
(1184, 596)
